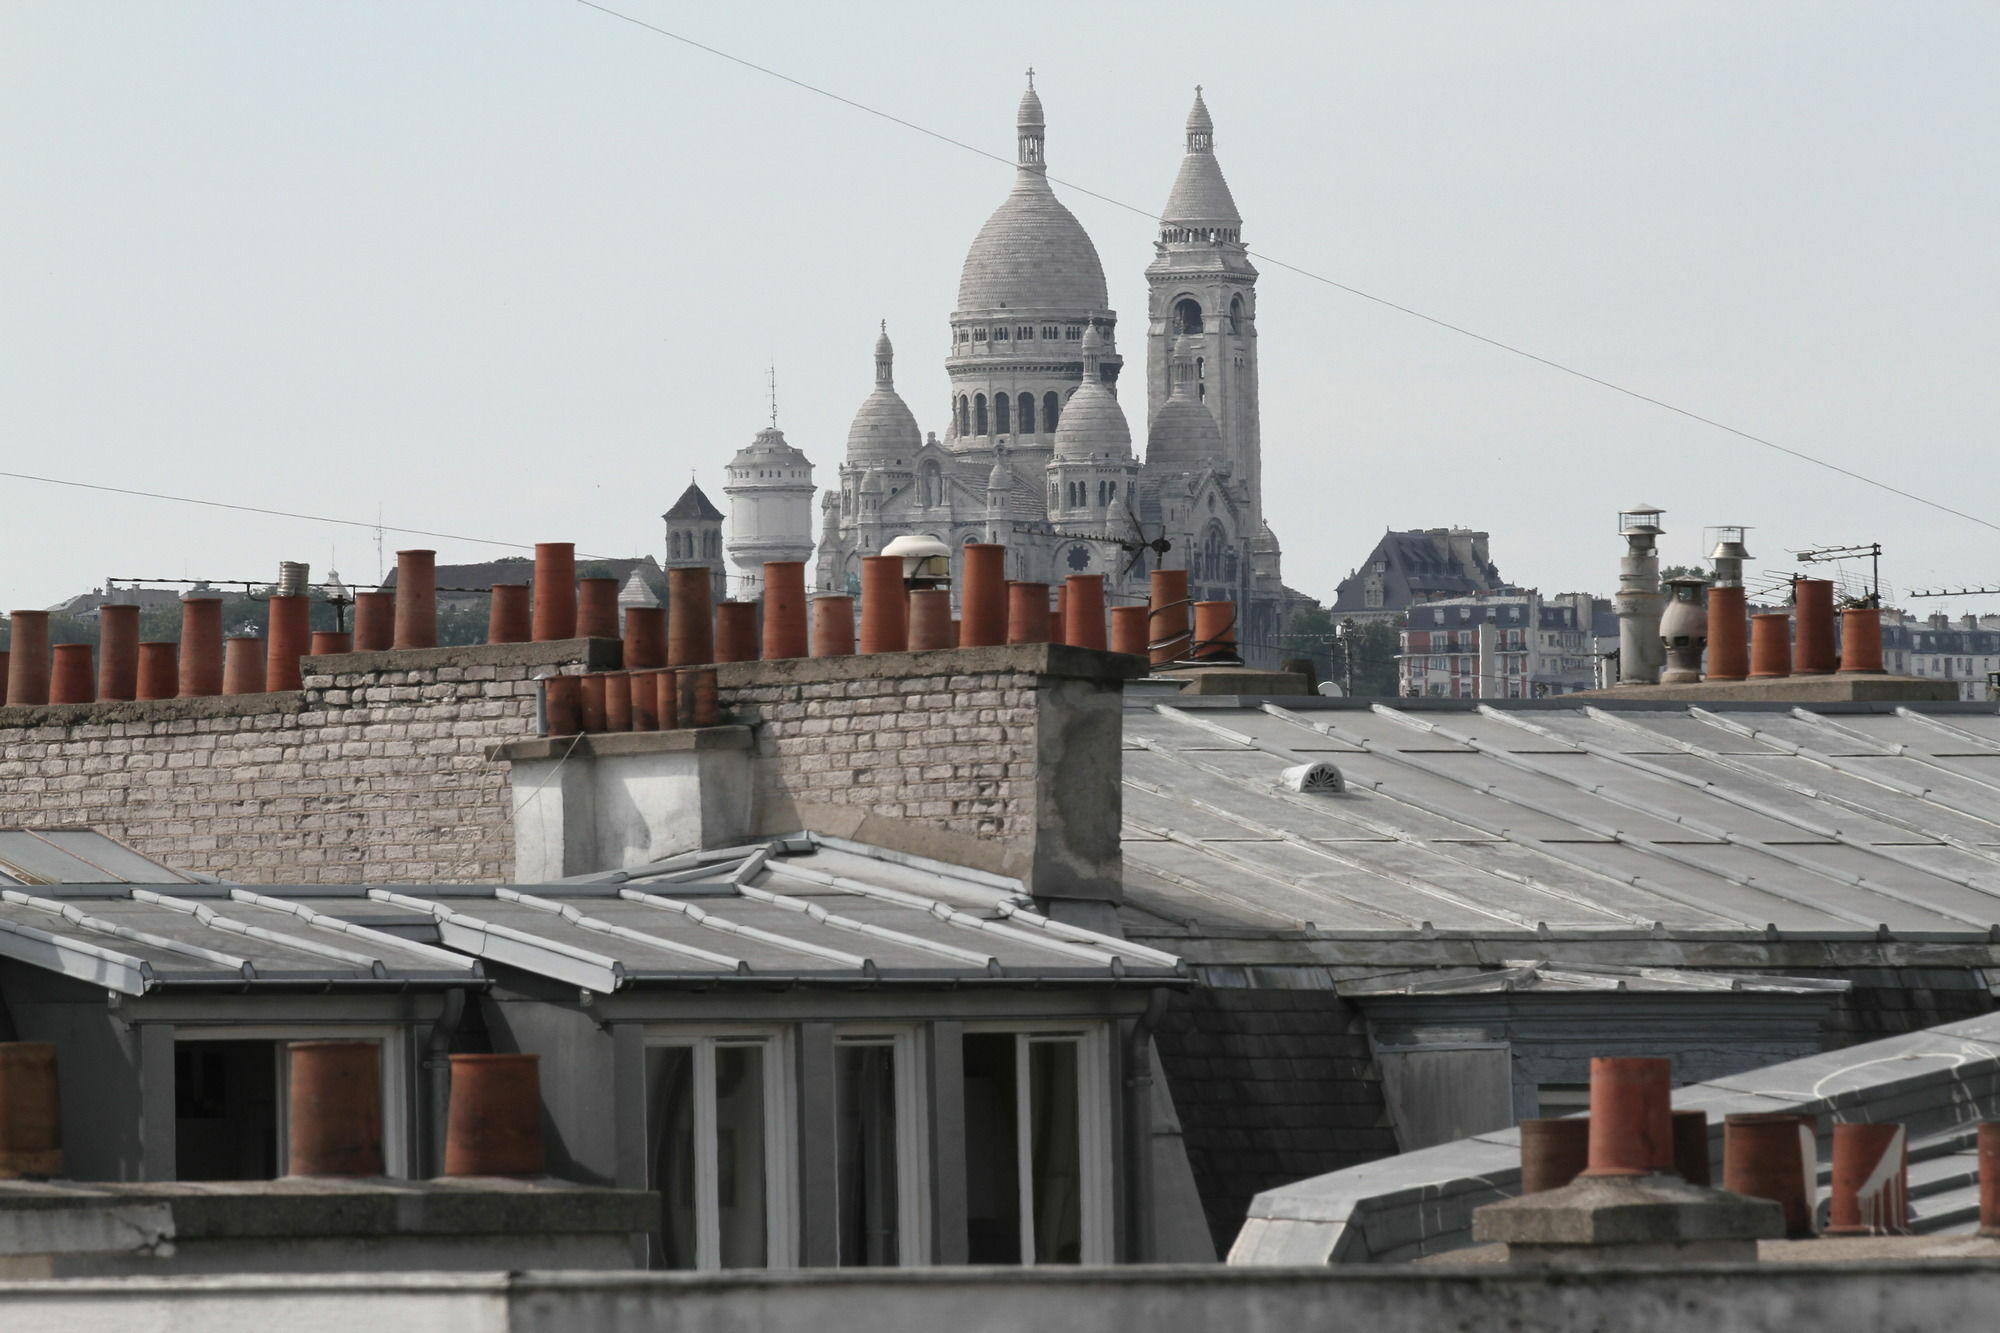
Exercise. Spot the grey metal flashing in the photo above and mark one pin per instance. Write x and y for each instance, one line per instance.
(1909, 789)
(597, 925)
(1947, 729)
(75, 958)
(518, 948)
(946, 913)
(216, 921)
(84, 920)
(1900, 750)
(819, 914)
(444, 958)
(890, 856)
(1605, 832)
(711, 921)
(1776, 851)
(1734, 765)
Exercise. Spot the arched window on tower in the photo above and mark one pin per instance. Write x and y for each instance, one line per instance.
(979, 414)
(1187, 315)
(1027, 414)
(964, 415)
(673, 546)
(1051, 410)
(1003, 414)
(1236, 315)
(1214, 547)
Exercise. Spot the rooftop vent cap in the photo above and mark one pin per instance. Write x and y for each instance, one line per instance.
(926, 560)
(1315, 779)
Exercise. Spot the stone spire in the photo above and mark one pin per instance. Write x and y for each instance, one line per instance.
(885, 361)
(1200, 206)
(1029, 129)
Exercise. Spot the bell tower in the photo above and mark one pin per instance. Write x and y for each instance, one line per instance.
(1202, 310)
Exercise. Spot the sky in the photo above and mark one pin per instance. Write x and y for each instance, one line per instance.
(514, 270)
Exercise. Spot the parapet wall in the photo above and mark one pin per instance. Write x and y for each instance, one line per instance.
(1004, 759)
(392, 767)
(375, 772)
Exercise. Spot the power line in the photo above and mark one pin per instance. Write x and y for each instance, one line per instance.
(1337, 285)
(283, 513)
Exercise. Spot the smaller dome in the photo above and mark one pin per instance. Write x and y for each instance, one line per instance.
(1183, 436)
(884, 428)
(1029, 117)
(1092, 425)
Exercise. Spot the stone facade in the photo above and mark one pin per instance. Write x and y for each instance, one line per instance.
(375, 772)
(1036, 452)
(970, 755)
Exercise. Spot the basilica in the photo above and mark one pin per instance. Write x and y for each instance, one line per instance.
(1037, 452)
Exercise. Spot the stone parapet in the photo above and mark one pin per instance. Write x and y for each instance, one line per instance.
(377, 771)
(1004, 759)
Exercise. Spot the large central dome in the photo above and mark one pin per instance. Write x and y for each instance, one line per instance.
(1032, 254)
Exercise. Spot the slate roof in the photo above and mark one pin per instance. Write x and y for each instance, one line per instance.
(519, 569)
(1939, 1083)
(1689, 820)
(693, 504)
(1415, 571)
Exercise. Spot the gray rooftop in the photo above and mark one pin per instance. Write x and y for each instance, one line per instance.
(1835, 821)
(801, 909)
(1939, 1083)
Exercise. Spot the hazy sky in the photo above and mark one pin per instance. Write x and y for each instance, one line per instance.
(513, 268)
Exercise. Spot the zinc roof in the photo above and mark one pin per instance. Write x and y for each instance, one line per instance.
(1564, 819)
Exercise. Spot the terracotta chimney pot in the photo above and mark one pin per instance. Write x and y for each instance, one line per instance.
(597, 608)
(335, 1121)
(982, 596)
(1553, 1152)
(784, 609)
(118, 651)
(1215, 631)
(28, 663)
(1728, 636)
(555, 591)
(1631, 1116)
(1773, 1157)
(645, 638)
(884, 605)
(159, 669)
(243, 664)
(30, 1112)
(833, 626)
(510, 618)
(73, 675)
(593, 711)
(1812, 602)
(1083, 611)
(416, 604)
(1861, 641)
(494, 1126)
(374, 621)
(1027, 612)
(289, 633)
(562, 705)
(1167, 623)
(1871, 1181)
(1770, 645)
(736, 631)
(930, 619)
(617, 700)
(690, 617)
(328, 642)
(1128, 630)
(201, 646)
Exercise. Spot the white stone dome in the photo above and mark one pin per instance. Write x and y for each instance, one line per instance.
(884, 429)
(1183, 436)
(1092, 424)
(1032, 254)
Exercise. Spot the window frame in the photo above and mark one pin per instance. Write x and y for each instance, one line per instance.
(394, 1040)
(913, 1136)
(781, 1148)
(1096, 1134)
